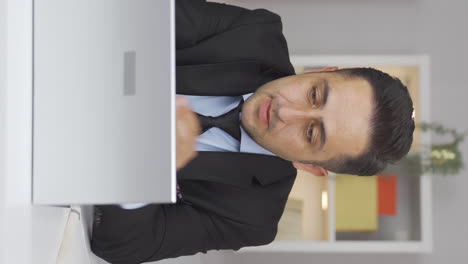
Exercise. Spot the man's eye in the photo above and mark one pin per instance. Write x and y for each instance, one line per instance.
(310, 132)
(314, 95)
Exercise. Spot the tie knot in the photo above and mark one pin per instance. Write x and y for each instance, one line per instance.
(229, 122)
(210, 120)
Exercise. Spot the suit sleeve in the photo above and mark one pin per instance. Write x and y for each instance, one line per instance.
(165, 231)
(197, 20)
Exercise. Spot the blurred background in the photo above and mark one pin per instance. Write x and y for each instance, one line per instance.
(326, 27)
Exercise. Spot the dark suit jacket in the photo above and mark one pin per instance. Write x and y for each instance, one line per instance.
(230, 200)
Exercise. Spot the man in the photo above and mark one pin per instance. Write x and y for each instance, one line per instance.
(234, 190)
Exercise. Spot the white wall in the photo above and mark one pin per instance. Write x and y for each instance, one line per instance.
(433, 27)
(2, 128)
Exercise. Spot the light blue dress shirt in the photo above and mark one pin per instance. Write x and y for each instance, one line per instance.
(215, 139)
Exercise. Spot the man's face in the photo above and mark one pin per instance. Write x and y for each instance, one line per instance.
(311, 117)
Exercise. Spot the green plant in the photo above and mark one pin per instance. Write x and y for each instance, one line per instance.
(442, 159)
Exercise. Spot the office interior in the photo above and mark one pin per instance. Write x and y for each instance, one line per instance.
(393, 217)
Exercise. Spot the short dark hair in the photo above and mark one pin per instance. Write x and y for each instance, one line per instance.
(391, 129)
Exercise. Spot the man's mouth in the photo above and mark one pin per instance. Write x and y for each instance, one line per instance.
(265, 112)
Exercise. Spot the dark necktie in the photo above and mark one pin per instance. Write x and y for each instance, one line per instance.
(229, 122)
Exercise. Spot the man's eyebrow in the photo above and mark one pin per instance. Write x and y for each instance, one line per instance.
(326, 90)
(323, 135)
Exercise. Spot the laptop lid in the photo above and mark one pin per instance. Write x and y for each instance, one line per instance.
(103, 102)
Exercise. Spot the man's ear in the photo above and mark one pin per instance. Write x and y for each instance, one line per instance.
(325, 69)
(311, 168)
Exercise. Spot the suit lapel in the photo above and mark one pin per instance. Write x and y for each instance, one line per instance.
(236, 168)
(224, 79)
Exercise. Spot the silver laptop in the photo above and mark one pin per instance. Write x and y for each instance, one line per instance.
(103, 104)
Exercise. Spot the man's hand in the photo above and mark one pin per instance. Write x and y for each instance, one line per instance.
(188, 129)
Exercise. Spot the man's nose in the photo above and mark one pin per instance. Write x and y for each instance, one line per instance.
(291, 112)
